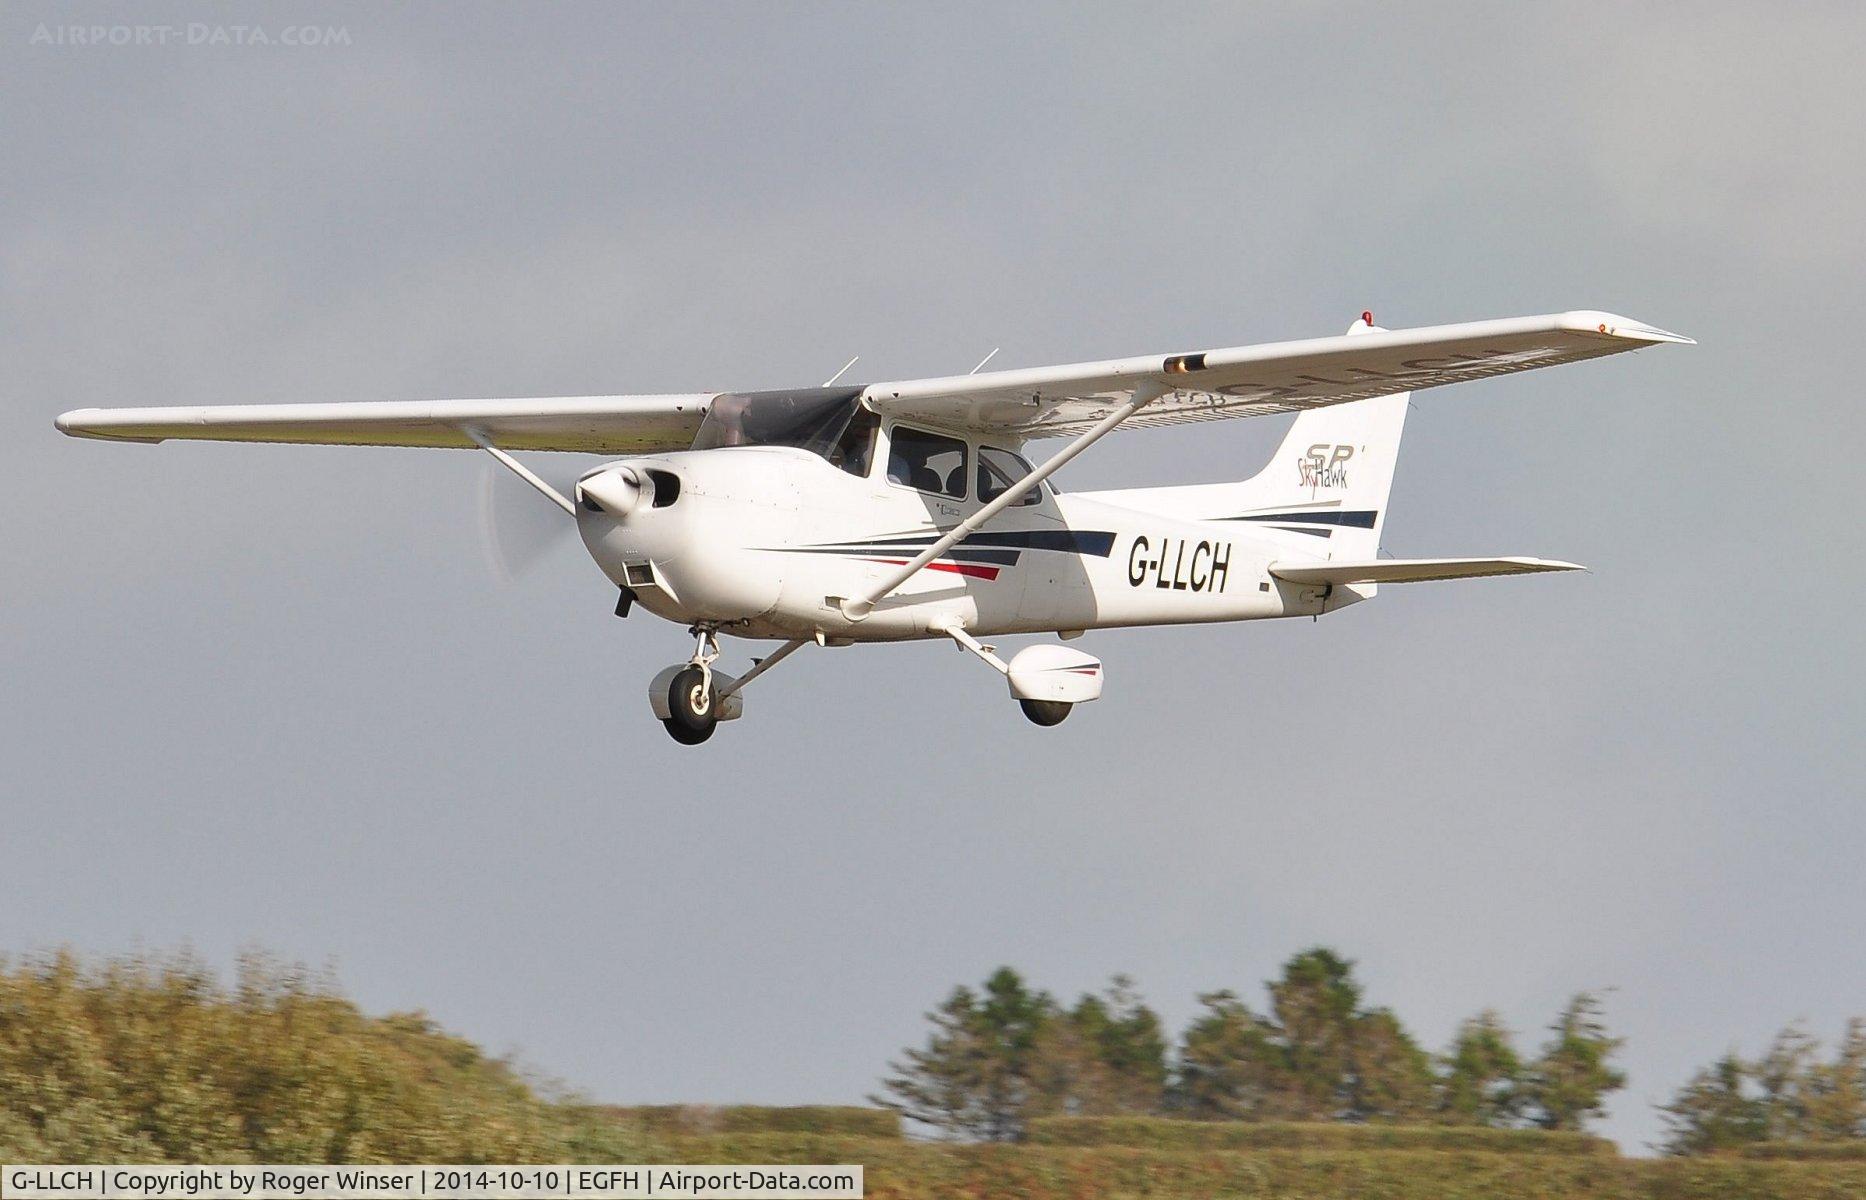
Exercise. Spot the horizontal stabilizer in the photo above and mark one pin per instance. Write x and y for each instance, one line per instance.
(1413, 570)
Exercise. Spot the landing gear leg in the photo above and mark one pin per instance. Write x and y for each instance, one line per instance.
(692, 711)
(1039, 675)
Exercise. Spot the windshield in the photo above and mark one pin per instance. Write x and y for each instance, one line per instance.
(808, 418)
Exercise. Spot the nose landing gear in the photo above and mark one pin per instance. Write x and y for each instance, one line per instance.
(692, 702)
(691, 698)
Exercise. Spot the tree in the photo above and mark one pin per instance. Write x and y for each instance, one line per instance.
(940, 1085)
(979, 1073)
(1106, 1055)
(1836, 1102)
(1715, 1110)
(1784, 1073)
(1315, 1005)
(1131, 1042)
(1788, 1095)
(1389, 1076)
(1569, 1083)
(1230, 1066)
(1318, 1056)
(1482, 1081)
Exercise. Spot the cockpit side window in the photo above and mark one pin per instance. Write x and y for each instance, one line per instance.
(998, 470)
(854, 451)
(927, 462)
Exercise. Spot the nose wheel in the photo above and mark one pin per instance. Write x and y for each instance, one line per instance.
(691, 717)
(692, 698)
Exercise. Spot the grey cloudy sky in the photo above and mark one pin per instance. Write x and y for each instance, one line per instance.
(273, 695)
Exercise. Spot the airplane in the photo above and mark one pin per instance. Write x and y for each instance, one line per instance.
(905, 510)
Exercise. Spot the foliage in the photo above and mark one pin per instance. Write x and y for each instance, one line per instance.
(1789, 1096)
(1001, 1055)
(151, 1060)
(1836, 1091)
(1737, 1179)
(699, 1119)
(908, 1170)
(1852, 1150)
(1106, 1055)
(1715, 1111)
(1569, 1083)
(1317, 1056)
(1004, 1055)
(1483, 1077)
(1157, 1133)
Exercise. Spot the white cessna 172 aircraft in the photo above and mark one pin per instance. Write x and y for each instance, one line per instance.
(902, 510)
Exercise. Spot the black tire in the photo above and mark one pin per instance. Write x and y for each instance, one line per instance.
(691, 706)
(685, 736)
(1046, 712)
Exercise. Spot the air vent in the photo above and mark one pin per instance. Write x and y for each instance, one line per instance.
(666, 487)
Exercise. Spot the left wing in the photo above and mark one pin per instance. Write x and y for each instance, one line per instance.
(1413, 570)
(597, 424)
(1249, 381)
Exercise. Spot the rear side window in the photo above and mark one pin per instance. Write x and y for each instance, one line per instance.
(998, 470)
(927, 462)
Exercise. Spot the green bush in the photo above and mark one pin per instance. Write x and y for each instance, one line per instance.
(1848, 1151)
(920, 1171)
(1737, 1179)
(907, 1170)
(695, 1119)
(1157, 1133)
(151, 1060)
(928, 1171)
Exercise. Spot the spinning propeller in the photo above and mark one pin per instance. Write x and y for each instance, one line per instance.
(517, 526)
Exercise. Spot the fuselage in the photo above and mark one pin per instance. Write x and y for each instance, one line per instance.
(767, 541)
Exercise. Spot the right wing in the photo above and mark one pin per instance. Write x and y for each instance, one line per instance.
(1248, 381)
(596, 424)
(1413, 570)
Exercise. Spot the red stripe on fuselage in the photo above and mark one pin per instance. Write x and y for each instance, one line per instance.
(967, 569)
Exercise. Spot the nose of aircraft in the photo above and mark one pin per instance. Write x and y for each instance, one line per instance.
(612, 490)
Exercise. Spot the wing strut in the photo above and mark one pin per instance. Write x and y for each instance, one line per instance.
(520, 469)
(1146, 391)
(762, 665)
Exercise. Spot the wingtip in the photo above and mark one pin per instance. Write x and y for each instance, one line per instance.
(1647, 333)
(85, 423)
(1614, 325)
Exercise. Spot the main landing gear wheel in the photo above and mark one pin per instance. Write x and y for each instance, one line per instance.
(691, 714)
(1046, 712)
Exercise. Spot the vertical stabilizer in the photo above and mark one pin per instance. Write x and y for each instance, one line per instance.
(1325, 489)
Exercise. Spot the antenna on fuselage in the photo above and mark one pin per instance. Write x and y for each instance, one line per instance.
(984, 360)
(845, 370)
